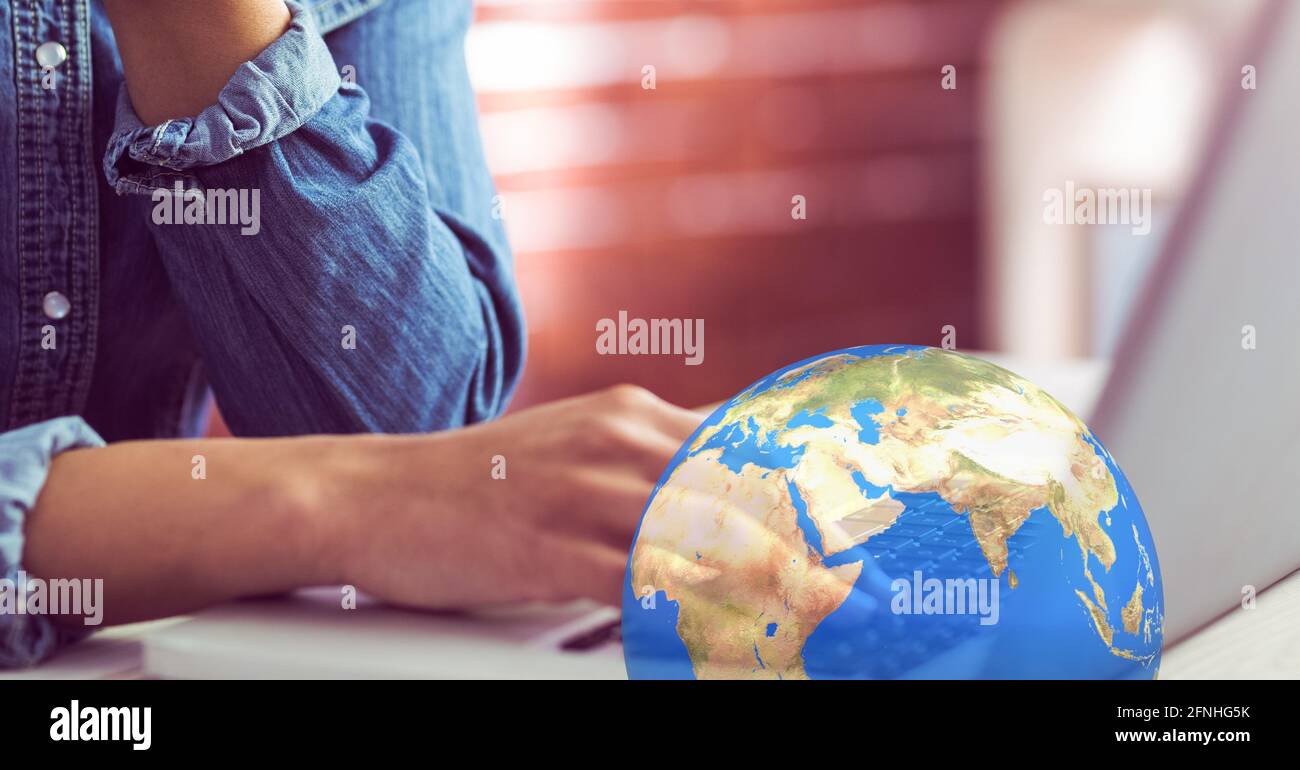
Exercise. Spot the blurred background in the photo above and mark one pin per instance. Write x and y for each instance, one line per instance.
(923, 204)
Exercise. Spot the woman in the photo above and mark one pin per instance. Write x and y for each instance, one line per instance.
(361, 285)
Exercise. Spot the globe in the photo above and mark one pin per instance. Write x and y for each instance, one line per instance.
(887, 512)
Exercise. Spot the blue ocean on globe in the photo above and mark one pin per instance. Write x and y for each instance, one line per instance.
(892, 511)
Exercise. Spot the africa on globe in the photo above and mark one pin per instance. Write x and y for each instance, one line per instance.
(892, 511)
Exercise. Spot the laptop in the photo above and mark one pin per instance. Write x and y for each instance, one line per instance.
(1200, 410)
(1206, 429)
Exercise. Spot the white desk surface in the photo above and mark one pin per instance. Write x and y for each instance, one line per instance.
(1262, 643)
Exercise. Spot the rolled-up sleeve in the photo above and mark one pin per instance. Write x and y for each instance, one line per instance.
(358, 300)
(25, 457)
(265, 100)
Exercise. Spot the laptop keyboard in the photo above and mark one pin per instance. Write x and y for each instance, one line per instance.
(941, 546)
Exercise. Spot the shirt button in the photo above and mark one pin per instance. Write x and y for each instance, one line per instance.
(51, 54)
(56, 306)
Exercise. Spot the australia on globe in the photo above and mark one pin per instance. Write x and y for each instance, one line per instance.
(892, 511)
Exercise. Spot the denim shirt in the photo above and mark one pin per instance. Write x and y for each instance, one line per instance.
(374, 294)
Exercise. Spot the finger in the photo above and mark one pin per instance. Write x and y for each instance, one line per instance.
(587, 570)
(674, 421)
(750, 547)
(656, 453)
(636, 444)
(601, 505)
(677, 423)
(653, 560)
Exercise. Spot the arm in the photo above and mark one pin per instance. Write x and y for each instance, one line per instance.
(415, 520)
(165, 543)
(356, 237)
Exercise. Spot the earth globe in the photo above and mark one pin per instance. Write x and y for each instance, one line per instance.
(892, 511)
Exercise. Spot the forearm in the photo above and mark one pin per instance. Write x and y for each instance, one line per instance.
(265, 519)
(177, 56)
(423, 521)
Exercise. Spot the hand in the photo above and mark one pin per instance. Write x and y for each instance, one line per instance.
(439, 531)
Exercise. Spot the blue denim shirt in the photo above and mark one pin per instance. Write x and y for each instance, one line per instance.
(376, 295)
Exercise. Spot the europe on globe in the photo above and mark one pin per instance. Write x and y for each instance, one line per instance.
(892, 511)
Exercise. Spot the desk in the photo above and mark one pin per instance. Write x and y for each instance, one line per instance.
(1263, 643)
(114, 653)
